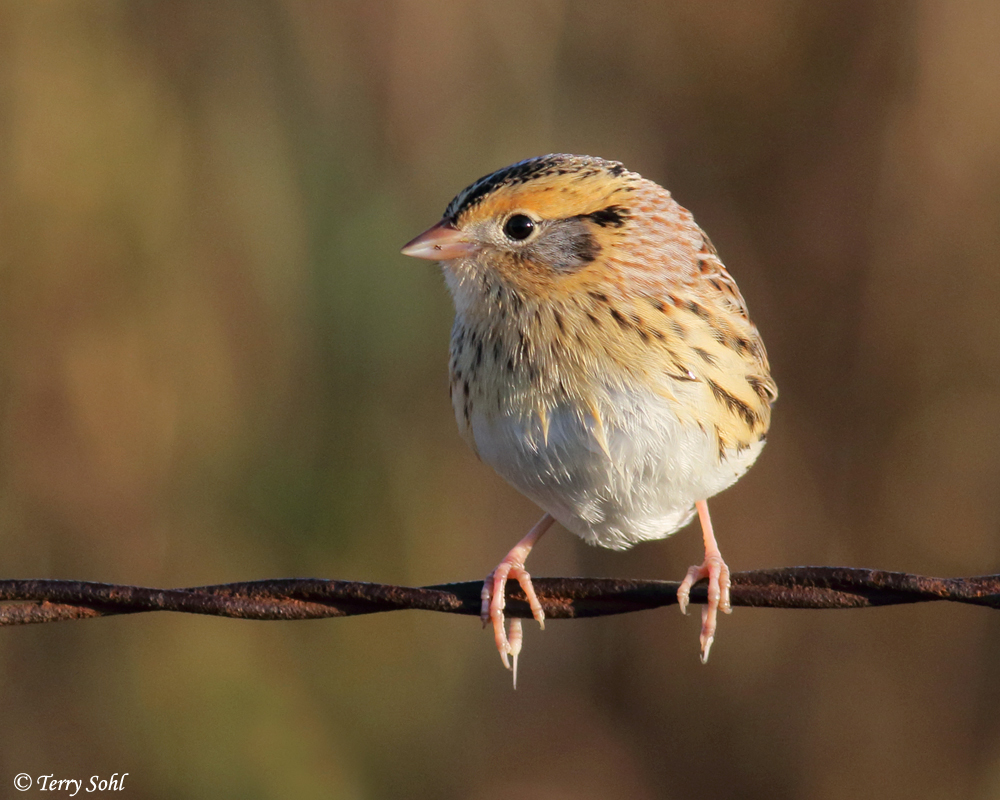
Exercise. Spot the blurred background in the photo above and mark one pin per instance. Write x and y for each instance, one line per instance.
(216, 366)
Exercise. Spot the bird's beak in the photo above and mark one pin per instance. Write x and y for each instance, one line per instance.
(443, 242)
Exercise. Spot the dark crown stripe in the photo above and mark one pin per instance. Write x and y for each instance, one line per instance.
(522, 172)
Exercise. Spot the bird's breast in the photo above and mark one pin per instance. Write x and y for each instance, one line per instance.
(617, 435)
(624, 470)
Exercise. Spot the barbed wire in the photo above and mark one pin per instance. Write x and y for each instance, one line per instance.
(24, 602)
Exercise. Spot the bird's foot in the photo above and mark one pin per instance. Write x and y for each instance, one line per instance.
(717, 572)
(509, 644)
(494, 601)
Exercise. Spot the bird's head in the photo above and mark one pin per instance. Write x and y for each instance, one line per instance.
(549, 225)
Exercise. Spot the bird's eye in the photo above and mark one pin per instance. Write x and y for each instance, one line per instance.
(519, 227)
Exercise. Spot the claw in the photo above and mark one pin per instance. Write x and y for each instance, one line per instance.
(515, 635)
(684, 592)
(706, 646)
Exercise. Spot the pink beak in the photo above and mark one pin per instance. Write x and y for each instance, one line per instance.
(443, 242)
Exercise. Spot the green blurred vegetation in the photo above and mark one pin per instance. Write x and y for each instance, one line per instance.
(215, 366)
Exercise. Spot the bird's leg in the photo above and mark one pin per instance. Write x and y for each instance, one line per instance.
(715, 569)
(512, 566)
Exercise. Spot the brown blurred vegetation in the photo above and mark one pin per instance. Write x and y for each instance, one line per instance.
(215, 366)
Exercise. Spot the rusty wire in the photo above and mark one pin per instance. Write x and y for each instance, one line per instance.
(25, 602)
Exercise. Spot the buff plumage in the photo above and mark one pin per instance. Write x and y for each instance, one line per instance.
(602, 358)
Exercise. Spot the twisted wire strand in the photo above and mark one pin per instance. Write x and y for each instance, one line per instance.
(24, 602)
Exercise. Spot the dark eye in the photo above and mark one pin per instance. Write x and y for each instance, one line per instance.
(519, 227)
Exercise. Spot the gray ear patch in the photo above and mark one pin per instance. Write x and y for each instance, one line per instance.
(565, 245)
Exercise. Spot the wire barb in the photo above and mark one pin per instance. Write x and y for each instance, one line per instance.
(24, 602)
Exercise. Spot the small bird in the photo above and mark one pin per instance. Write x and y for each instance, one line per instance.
(602, 361)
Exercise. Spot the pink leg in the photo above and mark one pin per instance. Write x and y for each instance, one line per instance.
(715, 569)
(493, 592)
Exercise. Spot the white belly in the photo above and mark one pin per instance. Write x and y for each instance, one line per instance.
(645, 485)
